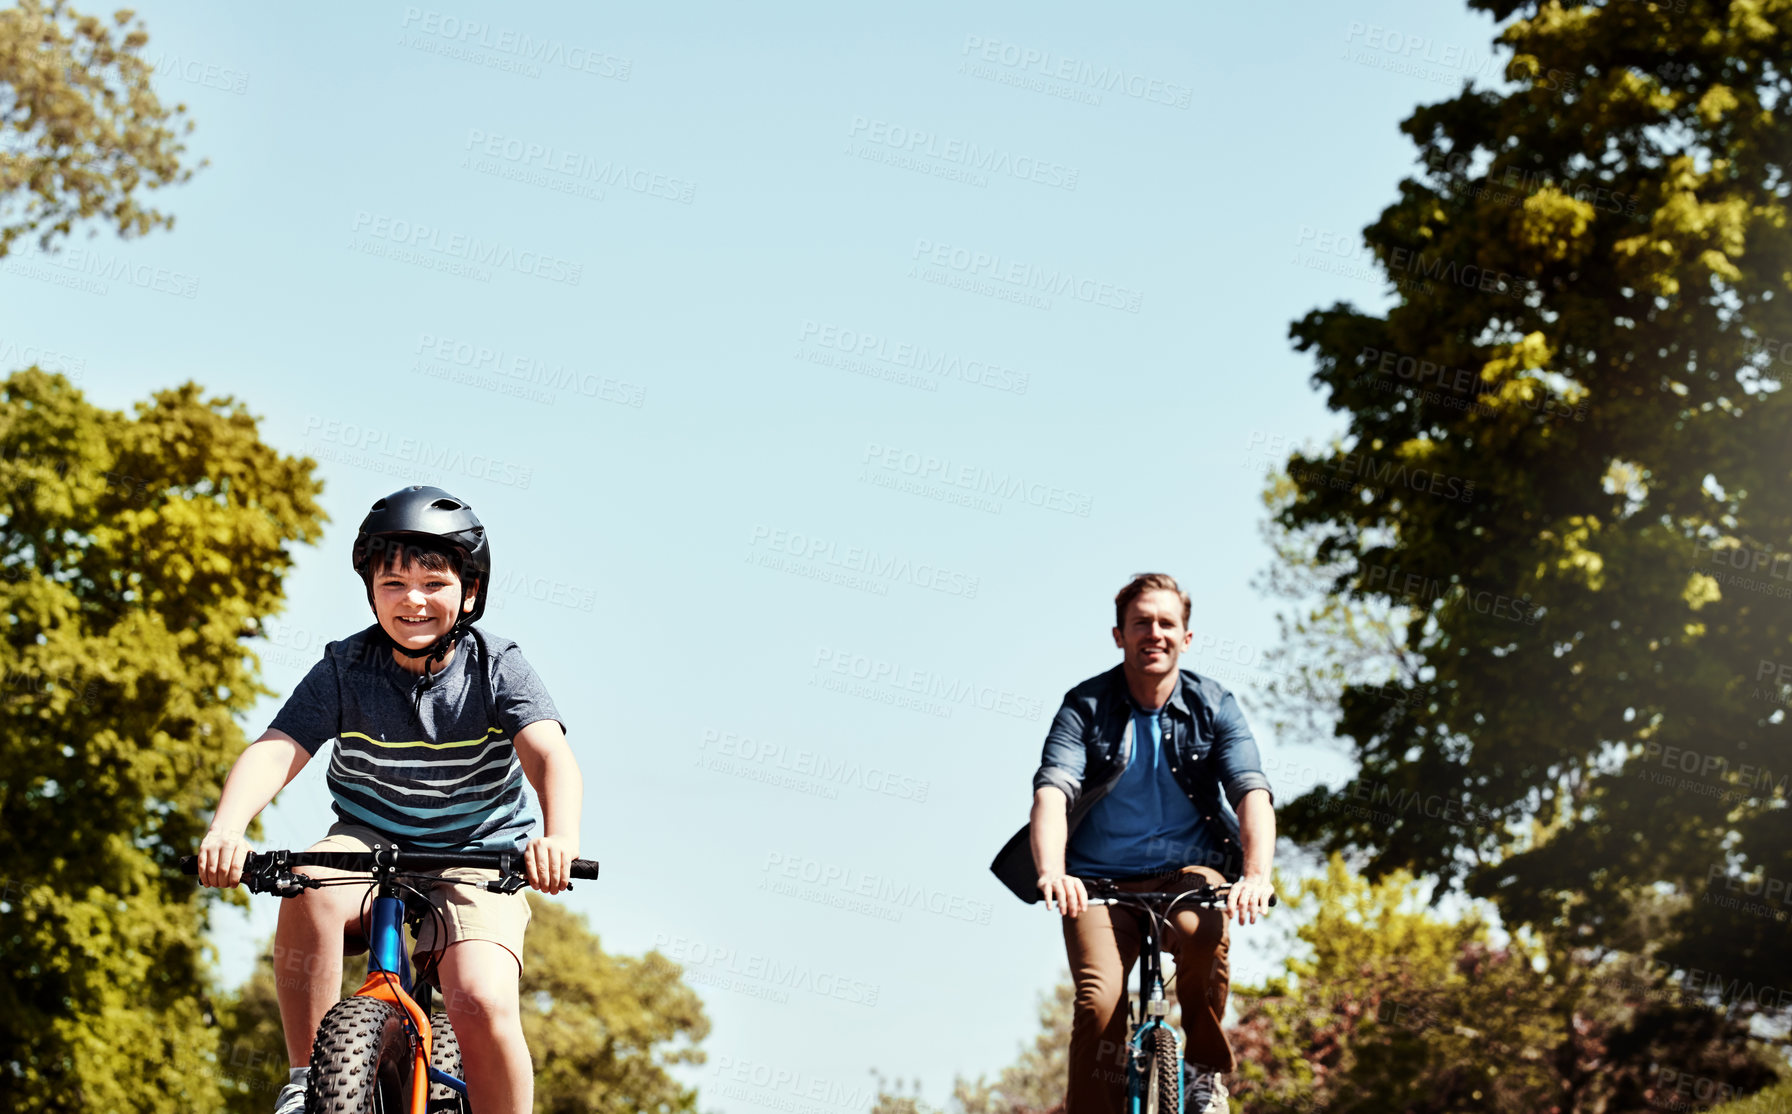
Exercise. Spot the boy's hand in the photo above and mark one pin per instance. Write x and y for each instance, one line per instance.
(222, 854)
(547, 862)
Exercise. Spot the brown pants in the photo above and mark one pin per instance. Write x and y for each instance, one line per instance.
(1103, 944)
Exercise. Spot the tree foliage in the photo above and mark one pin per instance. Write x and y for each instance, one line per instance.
(136, 553)
(604, 1030)
(82, 133)
(1393, 1007)
(1566, 457)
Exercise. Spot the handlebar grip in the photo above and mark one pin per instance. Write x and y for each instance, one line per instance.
(584, 869)
(189, 864)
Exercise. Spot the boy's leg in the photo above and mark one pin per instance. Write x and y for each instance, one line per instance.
(309, 945)
(480, 992)
(1101, 945)
(481, 963)
(1199, 938)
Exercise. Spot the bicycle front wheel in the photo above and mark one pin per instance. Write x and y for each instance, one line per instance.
(1163, 1073)
(360, 1061)
(444, 1055)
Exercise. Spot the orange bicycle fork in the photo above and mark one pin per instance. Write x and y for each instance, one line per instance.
(389, 980)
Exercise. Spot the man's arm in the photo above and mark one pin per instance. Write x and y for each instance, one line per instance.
(1048, 834)
(1257, 834)
(264, 768)
(552, 770)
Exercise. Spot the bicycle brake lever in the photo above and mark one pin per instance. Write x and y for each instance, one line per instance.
(508, 884)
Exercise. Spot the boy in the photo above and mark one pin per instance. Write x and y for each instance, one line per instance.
(436, 726)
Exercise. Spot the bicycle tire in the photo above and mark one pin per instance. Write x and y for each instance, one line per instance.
(1163, 1073)
(444, 1055)
(360, 1061)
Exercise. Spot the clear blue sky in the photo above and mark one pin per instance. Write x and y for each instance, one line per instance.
(720, 317)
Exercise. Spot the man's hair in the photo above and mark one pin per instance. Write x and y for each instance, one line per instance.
(1148, 582)
(386, 552)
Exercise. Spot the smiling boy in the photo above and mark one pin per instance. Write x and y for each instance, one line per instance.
(437, 725)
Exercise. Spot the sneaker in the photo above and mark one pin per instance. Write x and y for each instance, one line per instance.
(1203, 1092)
(290, 1100)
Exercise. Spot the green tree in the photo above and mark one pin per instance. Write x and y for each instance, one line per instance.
(82, 133)
(1566, 457)
(603, 1029)
(1390, 1006)
(136, 554)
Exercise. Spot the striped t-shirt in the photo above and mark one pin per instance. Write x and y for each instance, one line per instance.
(440, 774)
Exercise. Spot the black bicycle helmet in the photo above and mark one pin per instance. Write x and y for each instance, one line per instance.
(427, 513)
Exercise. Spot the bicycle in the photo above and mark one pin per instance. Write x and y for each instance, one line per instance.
(383, 1050)
(1153, 1050)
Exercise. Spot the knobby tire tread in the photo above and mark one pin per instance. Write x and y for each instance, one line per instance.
(1163, 1072)
(444, 1055)
(361, 1048)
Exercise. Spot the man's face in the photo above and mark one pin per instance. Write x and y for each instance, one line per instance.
(416, 605)
(1153, 638)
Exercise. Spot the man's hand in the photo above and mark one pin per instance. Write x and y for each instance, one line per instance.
(547, 862)
(1251, 895)
(222, 854)
(1064, 893)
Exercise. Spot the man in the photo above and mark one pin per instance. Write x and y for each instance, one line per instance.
(1129, 788)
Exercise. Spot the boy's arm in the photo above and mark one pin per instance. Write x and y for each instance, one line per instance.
(552, 770)
(262, 770)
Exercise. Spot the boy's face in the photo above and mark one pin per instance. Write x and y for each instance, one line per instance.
(1153, 638)
(416, 605)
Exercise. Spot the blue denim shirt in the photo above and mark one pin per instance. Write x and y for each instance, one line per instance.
(1090, 743)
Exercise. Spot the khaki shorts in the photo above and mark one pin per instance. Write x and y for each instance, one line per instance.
(471, 913)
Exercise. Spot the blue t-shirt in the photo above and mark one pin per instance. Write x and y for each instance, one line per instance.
(1146, 824)
(433, 769)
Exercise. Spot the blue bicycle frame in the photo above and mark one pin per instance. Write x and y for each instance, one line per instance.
(386, 955)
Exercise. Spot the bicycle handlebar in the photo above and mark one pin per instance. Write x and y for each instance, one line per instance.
(1212, 897)
(390, 861)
